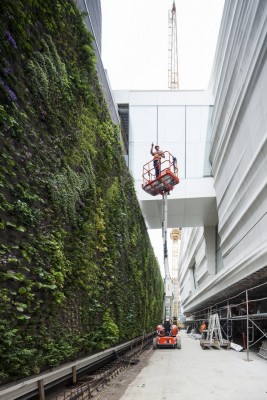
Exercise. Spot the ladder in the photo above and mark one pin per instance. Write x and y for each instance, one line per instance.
(214, 334)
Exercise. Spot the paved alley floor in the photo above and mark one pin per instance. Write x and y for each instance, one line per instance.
(192, 373)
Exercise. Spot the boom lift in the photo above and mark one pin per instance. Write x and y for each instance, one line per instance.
(167, 336)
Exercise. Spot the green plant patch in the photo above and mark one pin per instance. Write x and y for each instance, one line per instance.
(77, 270)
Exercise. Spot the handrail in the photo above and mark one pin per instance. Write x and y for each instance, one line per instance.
(38, 383)
(167, 163)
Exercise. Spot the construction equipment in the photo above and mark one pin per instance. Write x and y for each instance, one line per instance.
(175, 241)
(212, 337)
(167, 339)
(167, 178)
(167, 333)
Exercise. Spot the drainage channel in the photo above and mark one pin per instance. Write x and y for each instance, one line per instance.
(89, 385)
(86, 373)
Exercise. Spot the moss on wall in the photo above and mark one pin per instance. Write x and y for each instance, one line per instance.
(77, 271)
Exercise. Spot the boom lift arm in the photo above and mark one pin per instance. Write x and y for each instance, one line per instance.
(162, 183)
(168, 285)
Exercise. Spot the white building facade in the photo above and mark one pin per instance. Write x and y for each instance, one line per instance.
(217, 262)
(219, 137)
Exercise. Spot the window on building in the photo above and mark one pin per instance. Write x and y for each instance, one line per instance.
(123, 110)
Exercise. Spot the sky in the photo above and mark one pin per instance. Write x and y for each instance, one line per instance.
(135, 42)
(135, 51)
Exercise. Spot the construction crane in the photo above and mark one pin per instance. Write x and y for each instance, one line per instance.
(161, 180)
(173, 77)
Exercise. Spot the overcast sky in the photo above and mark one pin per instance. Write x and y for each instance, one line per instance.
(135, 42)
(135, 50)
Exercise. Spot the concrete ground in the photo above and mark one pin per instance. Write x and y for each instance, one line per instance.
(192, 373)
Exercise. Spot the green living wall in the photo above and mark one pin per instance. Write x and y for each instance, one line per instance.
(77, 270)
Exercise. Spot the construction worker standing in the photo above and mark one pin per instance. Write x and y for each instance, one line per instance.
(202, 329)
(157, 154)
(167, 327)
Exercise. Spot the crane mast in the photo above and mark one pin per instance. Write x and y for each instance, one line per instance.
(173, 78)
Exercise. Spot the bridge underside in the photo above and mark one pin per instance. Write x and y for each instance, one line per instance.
(192, 203)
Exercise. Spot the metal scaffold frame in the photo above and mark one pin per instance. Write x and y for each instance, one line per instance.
(232, 309)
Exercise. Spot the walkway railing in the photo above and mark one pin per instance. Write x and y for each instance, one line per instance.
(36, 385)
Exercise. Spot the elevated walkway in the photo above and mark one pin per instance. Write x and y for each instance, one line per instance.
(191, 203)
(179, 121)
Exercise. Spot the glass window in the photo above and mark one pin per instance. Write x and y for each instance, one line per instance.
(171, 132)
(184, 131)
(197, 141)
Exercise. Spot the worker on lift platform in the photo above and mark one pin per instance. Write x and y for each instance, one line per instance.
(162, 176)
(157, 154)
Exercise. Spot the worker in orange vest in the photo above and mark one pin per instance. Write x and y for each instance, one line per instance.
(157, 154)
(203, 327)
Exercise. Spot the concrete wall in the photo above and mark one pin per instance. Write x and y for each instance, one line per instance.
(239, 160)
(96, 18)
(197, 262)
(93, 22)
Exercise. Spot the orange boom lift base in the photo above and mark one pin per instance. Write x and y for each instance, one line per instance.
(164, 341)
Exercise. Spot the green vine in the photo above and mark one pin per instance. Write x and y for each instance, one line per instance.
(77, 271)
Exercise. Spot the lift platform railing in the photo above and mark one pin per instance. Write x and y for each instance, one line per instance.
(167, 178)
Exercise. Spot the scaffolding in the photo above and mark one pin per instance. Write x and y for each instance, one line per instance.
(244, 314)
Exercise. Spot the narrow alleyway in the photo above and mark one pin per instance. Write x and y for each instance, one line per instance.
(192, 373)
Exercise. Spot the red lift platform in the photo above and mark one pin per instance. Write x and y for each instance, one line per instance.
(167, 178)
